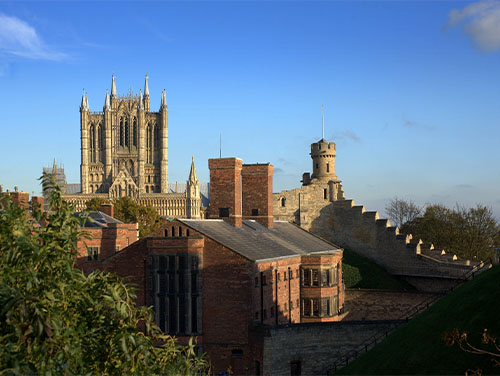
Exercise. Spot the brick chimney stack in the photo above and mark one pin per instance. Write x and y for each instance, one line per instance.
(225, 189)
(257, 193)
(37, 200)
(108, 209)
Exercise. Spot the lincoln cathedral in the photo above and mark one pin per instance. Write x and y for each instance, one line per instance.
(124, 152)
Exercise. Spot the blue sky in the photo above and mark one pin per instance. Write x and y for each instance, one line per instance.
(411, 89)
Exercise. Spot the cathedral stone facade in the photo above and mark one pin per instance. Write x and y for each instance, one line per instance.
(124, 152)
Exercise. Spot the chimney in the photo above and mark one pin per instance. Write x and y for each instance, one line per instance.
(37, 200)
(257, 193)
(108, 209)
(225, 189)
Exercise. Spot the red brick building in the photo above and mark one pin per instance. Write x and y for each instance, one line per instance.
(225, 278)
(107, 236)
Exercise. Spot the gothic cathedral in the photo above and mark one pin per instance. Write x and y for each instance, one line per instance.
(124, 152)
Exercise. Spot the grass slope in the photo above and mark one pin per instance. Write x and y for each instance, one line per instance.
(361, 272)
(418, 348)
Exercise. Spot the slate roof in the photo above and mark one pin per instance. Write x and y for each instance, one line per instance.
(99, 219)
(257, 242)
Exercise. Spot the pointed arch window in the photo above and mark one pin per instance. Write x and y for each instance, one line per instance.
(134, 131)
(127, 133)
(92, 143)
(121, 132)
(148, 144)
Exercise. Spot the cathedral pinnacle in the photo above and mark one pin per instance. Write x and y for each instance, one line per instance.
(163, 100)
(192, 174)
(107, 106)
(141, 102)
(82, 107)
(87, 103)
(113, 86)
(146, 88)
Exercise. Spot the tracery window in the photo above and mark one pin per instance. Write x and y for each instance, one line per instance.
(134, 130)
(121, 132)
(127, 133)
(92, 143)
(148, 144)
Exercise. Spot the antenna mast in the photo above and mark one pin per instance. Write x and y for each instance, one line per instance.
(220, 145)
(322, 123)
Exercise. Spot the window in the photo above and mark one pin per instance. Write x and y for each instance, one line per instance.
(256, 315)
(92, 253)
(283, 202)
(264, 315)
(296, 368)
(174, 292)
(180, 231)
(263, 277)
(306, 307)
(134, 130)
(122, 131)
(306, 277)
(187, 232)
(325, 277)
(166, 232)
(316, 307)
(327, 167)
(325, 193)
(255, 212)
(272, 311)
(237, 353)
(257, 367)
(223, 212)
(279, 277)
(315, 277)
(290, 274)
(317, 165)
(284, 276)
(256, 282)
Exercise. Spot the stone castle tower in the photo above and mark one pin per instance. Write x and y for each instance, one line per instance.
(124, 151)
(124, 148)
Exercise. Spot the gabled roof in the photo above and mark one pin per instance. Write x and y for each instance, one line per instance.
(99, 219)
(257, 242)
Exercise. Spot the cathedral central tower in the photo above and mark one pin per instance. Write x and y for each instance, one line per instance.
(125, 147)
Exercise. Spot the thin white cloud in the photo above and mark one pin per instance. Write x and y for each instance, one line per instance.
(18, 38)
(413, 124)
(481, 21)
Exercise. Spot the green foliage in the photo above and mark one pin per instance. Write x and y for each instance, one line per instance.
(417, 348)
(56, 320)
(469, 233)
(361, 272)
(129, 211)
(95, 203)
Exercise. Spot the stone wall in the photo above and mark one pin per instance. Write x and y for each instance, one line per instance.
(361, 304)
(316, 346)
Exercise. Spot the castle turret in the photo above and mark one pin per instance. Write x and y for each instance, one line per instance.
(323, 156)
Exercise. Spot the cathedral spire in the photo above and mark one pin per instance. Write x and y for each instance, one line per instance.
(146, 88)
(87, 102)
(192, 174)
(113, 86)
(107, 106)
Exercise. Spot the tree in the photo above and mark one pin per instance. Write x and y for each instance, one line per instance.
(487, 340)
(401, 211)
(129, 211)
(95, 203)
(469, 233)
(56, 320)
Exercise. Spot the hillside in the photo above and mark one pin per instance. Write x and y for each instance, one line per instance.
(361, 272)
(418, 348)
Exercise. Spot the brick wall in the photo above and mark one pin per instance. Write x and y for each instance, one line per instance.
(225, 188)
(109, 240)
(257, 193)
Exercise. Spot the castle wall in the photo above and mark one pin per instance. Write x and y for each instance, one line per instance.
(314, 347)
